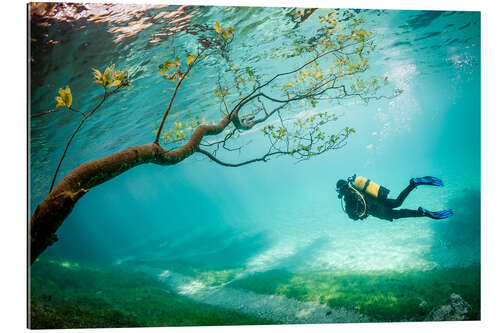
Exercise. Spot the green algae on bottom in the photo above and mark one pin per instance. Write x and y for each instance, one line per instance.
(209, 276)
(383, 296)
(71, 295)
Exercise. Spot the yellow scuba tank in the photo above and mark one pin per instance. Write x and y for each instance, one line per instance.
(369, 187)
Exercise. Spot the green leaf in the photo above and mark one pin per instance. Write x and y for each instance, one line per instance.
(69, 97)
(60, 102)
(217, 27)
(65, 98)
(97, 74)
(250, 72)
(190, 59)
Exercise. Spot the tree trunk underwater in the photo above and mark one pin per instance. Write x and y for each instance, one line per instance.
(51, 212)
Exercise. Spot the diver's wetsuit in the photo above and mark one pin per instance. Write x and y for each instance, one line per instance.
(381, 208)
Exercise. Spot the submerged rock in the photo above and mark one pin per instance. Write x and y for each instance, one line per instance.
(423, 307)
(456, 310)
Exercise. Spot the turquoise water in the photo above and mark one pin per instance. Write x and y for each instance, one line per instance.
(199, 223)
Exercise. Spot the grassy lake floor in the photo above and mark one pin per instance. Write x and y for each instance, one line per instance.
(74, 295)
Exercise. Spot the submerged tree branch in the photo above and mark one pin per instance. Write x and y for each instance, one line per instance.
(165, 114)
(263, 158)
(71, 139)
(53, 210)
(251, 95)
(50, 214)
(36, 115)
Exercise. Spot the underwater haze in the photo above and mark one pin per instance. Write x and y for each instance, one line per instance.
(198, 243)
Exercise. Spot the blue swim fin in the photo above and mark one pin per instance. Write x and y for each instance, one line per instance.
(428, 180)
(436, 215)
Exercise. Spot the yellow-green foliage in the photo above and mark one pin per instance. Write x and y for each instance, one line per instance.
(167, 66)
(351, 45)
(65, 98)
(306, 136)
(180, 130)
(190, 58)
(108, 79)
(111, 78)
(335, 58)
(224, 32)
(175, 65)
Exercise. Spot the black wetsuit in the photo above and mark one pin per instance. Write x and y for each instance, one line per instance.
(381, 208)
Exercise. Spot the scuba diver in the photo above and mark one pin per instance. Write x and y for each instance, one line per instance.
(363, 197)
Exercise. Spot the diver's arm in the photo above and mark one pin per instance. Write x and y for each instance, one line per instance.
(351, 207)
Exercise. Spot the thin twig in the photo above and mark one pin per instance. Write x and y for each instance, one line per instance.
(264, 158)
(165, 114)
(73, 135)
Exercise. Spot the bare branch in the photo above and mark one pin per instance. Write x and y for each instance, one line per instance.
(73, 135)
(43, 113)
(54, 111)
(264, 158)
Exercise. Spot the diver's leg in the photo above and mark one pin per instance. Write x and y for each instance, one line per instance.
(394, 203)
(436, 215)
(402, 213)
(428, 180)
